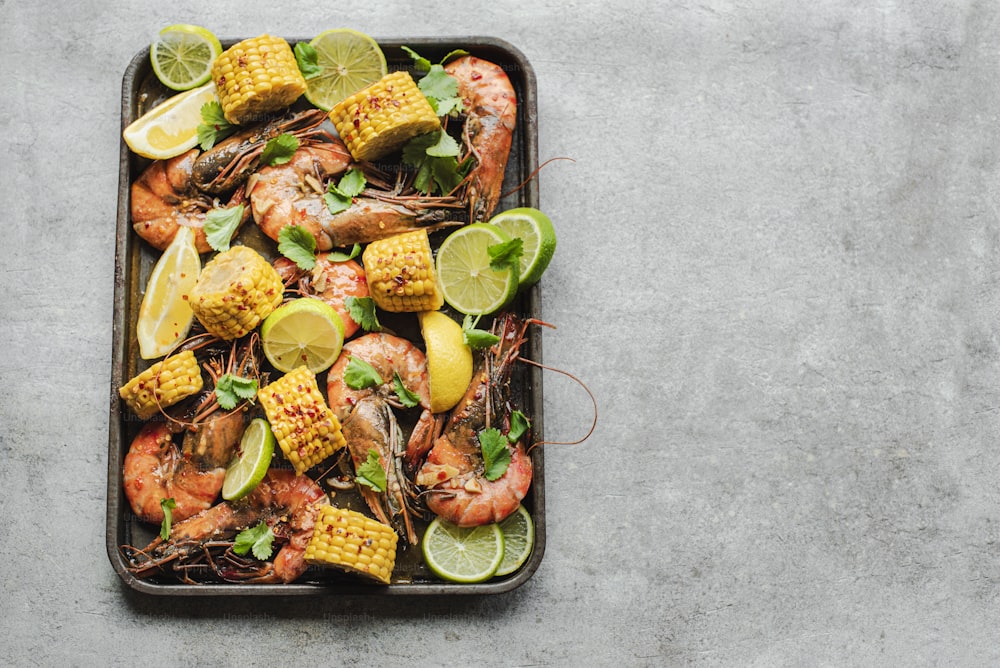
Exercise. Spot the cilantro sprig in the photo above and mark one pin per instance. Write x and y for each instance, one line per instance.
(439, 87)
(362, 311)
(230, 389)
(258, 538)
(298, 245)
(307, 59)
(168, 506)
(214, 127)
(279, 150)
(221, 225)
(496, 454)
(370, 473)
(477, 338)
(339, 197)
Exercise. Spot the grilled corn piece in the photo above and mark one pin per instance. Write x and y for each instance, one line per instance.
(163, 384)
(235, 291)
(255, 77)
(400, 273)
(355, 543)
(306, 429)
(382, 117)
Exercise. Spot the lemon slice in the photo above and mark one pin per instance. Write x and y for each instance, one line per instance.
(467, 281)
(537, 235)
(165, 315)
(182, 56)
(460, 554)
(171, 128)
(350, 60)
(304, 331)
(518, 539)
(449, 360)
(249, 466)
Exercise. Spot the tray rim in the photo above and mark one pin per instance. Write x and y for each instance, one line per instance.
(124, 239)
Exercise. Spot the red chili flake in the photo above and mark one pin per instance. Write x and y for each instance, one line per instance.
(242, 61)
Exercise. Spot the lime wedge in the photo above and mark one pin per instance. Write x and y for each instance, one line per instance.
(165, 315)
(467, 281)
(535, 231)
(518, 538)
(350, 60)
(462, 554)
(304, 331)
(182, 56)
(253, 458)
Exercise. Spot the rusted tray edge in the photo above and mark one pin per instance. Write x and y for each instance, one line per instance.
(124, 247)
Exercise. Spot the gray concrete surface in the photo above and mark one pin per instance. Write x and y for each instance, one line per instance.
(777, 270)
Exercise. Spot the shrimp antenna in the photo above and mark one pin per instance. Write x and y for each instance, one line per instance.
(533, 175)
(593, 425)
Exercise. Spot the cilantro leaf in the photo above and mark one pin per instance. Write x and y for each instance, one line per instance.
(477, 338)
(214, 126)
(337, 256)
(230, 389)
(420, 63)
(371, 474)
(335, 201)
(438, 84)
(352, 183)
(506, 255)
(362, 311)
(308, 60)
(433, 156)
(168, 506)
(406, 397)
(221, 224)
(258, 539)
(496, 456)
(339, 197)
(298, 245)
(279, 150)
(359, 375)
(519, 424)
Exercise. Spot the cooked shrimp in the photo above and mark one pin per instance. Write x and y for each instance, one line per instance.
(371, 426)
(491, 114)
(292, 194)
(453, 473)
(333, 282)
(192, 475)
(288, 503)
(164, 198)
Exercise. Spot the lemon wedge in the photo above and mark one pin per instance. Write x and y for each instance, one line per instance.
(170, 128)
(449, 360)
(165, 316)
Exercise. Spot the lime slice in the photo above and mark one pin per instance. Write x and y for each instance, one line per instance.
(165, 315)
(467, 281)
(170, 128)
(462, 554)
(518, 539)
(350, 60)
(253, 458)
(535, 231)
(303, 331)
(182, 56)
(449, 360)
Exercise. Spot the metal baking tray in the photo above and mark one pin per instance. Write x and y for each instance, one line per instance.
(134, 260)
